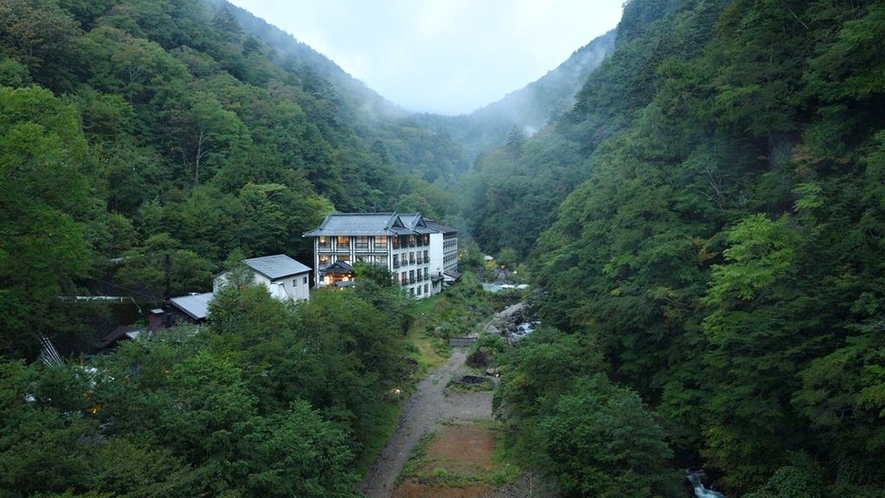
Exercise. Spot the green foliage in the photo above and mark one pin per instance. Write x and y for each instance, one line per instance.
(45, 210)
(723, 250)
(596, 438)
(802, 479)
(542, 368)
(178, 121)
(599, 440)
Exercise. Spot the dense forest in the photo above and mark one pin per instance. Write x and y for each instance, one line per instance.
(703, 221)
(146, 142)
(146, 146)
(721, 258)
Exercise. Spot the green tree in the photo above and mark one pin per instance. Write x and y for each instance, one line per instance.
(600, 440)
(45, 209)
(44, 423)
(159, 261)
(40, 35)
(295, 452)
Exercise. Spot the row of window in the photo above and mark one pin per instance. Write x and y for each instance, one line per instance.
(378, 259)
(327, 259)
(414, 259)
(380, 241)
(412, 276)
(417, 290)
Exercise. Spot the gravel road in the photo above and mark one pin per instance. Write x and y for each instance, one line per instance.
(425, 410)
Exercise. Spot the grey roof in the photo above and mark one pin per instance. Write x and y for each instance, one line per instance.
(439, 227)
(338, 267)
(195, 306)
(357, 224)
(277, 266)
(368, 224)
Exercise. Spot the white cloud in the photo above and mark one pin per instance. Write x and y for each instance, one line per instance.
(444, 56)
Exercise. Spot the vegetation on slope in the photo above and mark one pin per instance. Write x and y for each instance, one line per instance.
(159, 138)
(722, 254)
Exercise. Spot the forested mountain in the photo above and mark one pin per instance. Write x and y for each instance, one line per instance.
(705, 225)
(526, 110)
(145, 142)
(719, 248)
(145, 146)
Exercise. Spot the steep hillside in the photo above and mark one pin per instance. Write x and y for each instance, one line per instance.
(527, 109)
(183, 137)
(719, 251)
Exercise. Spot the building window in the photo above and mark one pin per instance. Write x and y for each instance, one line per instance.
(381, 241)
(324, 242)
(305, 280)
(425, 288)
(343, 240)
(395, 241)
(324, 260)
(396, 260)
(362, 243)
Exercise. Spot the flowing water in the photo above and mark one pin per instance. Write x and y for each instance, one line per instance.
(699, 490)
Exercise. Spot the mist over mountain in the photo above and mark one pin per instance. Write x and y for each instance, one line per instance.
(286, 49)
(527, 109)
(696, 197)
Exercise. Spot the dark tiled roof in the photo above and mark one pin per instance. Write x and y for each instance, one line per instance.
(277, 266)
(357, 224)
(453, 274)
(338, 267)
(367, 224)
(439, 227)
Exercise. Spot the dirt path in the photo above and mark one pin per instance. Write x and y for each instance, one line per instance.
(426, 410)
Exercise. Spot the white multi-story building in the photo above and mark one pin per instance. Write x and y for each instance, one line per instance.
(444, 247)
(410, 248)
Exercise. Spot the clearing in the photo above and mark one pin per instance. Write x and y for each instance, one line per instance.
(444, 444)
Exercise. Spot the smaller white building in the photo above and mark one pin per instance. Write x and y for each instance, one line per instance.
(285, 278)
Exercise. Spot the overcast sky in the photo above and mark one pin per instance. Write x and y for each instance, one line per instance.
(442, 56)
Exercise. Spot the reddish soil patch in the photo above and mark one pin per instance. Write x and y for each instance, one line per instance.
(457, 450)
(463, 448)
(411, 489)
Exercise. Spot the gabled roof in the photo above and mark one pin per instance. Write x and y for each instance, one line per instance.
(357, 224)
(439, 227)
(368, 224)
(416, 223)
(195, 306)
(277, 266)
(338, 267)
